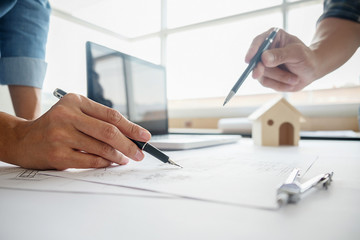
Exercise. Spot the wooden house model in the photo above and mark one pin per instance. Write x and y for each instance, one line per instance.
(276, 123)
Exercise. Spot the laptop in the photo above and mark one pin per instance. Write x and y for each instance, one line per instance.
(137, 89)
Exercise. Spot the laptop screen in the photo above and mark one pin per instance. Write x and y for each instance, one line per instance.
(134, 87)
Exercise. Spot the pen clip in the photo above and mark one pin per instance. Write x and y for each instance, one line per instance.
(59, 93)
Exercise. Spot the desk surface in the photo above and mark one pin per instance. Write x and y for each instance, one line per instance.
(331, 214)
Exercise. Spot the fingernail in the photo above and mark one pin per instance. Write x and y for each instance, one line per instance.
(124, 160)
(139, 156)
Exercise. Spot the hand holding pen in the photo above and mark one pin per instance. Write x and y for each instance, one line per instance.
(140, 143)
(288, 66)
(76, 133)
(255, 59)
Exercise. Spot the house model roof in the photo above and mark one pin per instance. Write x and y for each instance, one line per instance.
(267, 106)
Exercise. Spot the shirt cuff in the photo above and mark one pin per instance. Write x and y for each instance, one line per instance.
(22, 71)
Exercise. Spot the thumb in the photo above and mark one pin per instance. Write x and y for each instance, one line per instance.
(277, 56)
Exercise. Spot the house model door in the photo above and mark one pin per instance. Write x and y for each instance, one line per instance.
(286, 134)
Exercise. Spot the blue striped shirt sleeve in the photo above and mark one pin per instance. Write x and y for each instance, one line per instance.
(24, 26)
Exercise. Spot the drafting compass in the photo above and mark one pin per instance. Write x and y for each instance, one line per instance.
(291, 190)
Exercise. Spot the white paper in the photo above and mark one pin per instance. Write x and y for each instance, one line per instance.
(16, 178)
(239, 174)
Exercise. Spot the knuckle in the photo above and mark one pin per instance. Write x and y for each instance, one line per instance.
(114, 116)
(131, 150)
(283, 77)
(134, 129)
(61, 112)
(106, 150)
(110, 132)
(55, 134)
(74, 98)
(57, 111)
(96, 162)
(56, 159)
(279, 58)
(128, 150)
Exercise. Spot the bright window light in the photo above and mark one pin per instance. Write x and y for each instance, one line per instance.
(185, 12)
(130, 18)
(206, 62)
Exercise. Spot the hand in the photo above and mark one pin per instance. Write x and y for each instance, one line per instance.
(288, 66)
(76, 133)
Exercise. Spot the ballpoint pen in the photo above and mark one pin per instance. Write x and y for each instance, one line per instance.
(264, 46)
(145, 146)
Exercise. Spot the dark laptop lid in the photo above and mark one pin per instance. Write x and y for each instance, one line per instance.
(133, 86)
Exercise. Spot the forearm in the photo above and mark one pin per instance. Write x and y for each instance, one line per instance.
(335, 41)
(26, 101)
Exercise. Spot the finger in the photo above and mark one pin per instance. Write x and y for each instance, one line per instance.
(84, 143)
(90, 121)
(280, 75)
(254, 46)
(75, 159)
(290, 54)
(276, 85)
(258, 71)
(108, 134)
(271, 83)
(128, 128)
(109, 115)
(258, 40)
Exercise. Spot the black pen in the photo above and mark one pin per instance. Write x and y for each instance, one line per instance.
(147, 147)
(264, 46)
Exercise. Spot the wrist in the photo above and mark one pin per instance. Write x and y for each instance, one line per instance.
(319, 63)
(10, 128)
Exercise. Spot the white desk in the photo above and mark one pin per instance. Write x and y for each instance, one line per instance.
(331, 214)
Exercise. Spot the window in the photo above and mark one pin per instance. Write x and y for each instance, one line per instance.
(201, 42)
(212, 58)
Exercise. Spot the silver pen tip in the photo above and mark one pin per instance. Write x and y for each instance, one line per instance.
(174, 163)
(229, 96)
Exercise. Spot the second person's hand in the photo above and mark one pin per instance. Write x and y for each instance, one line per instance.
(288, 66)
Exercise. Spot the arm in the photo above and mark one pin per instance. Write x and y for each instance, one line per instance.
(334, 37)
(23, 36)
(26, 101)
(75, 133)
(290, 65)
